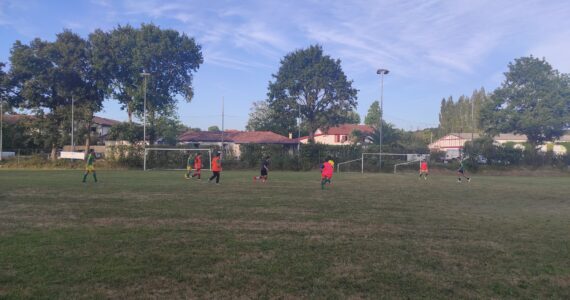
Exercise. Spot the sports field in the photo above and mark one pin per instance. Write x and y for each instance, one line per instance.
(157, 235)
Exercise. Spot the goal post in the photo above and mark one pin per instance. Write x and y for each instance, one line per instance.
(173, 158)
(388, 160)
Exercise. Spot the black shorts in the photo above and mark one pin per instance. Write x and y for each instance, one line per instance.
(460, 171)
(263, 172)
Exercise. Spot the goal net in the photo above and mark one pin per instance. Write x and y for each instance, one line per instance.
(173, 158)
(375, 162)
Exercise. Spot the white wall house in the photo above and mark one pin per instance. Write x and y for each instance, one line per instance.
(453, 143)
(338, 135)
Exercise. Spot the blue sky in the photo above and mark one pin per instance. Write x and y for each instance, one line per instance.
(433, 49)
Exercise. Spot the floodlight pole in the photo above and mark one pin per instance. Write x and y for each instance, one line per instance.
(145, 76)
(381, 72)
(299, 133)
(72, 125)
(1, 125)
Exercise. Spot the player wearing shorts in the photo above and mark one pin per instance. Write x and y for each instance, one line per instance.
(326, 173)
(90, 167)
(189, 164)
(264, 170)
(424, 169)
(461, 172)
(198, 166)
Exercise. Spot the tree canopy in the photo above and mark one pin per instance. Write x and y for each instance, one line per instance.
(315, 84)
(456, 116)
(534, 99)
(169, 57)
(48, 76)
(373, 115)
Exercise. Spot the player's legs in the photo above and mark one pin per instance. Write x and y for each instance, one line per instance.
(94, 175)
(188, 172)
(197, 173)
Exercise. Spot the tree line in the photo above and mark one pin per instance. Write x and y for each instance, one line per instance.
(47, 77)
(533, 100)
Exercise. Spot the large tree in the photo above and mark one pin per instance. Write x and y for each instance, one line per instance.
(315, 84)
(533, 100)
(47, 76)
(169, 57)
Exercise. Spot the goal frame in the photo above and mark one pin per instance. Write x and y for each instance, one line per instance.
(146, 150)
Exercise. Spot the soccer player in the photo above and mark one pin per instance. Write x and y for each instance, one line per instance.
(461, 172)
(90, 167)
(189, 164)
(216, 168)
(424, 169)
(264, 170)
(198, 166)
(326, 173)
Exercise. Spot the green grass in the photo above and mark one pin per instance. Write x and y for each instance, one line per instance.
(156, 235)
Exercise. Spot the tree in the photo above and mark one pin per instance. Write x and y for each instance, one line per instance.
(169, 57)
(214, 128)
(47, 76)
(352, 117)
(373, 115)
(533, 100)
(315, 84)
(126, 131)
(462, 115)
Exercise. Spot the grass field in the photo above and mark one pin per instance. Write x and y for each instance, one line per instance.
(156, 235)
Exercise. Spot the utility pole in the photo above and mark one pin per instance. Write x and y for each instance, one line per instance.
(381, 72)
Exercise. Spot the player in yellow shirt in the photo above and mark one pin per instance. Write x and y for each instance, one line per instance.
(90, 167)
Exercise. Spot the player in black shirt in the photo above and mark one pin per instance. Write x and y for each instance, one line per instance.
(264, 170)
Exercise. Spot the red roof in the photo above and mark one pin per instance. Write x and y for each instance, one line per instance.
(238, 137)
(105, 121)
(347, 129)
(13, 119)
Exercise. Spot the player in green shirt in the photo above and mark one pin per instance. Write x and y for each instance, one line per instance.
(189, 164)
(90, 167)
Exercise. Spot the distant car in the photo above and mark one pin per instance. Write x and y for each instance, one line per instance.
(482, 160)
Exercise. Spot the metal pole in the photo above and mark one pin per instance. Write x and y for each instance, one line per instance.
(222, 156)
(381, 113)
(145, 76)
(381, 72)
(299, 128)
(72, 125)
(472, 119)
(1, 125)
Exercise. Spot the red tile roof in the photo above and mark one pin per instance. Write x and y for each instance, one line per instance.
(13, 119)
(238, 137)
(347, 129)
(105, 121)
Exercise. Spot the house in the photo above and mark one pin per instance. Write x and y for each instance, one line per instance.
(340, 135)
(453, 143)
(101, 126)
(232, 139)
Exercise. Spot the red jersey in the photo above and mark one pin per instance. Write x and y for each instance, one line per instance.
(216, 166)
(327, 169)
(198, 162)
(423, 166)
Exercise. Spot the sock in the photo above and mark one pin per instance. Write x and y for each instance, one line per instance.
(95, 176)
(84, 177)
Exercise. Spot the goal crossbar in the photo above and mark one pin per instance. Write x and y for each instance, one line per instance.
(146, 150)
(405, 163)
